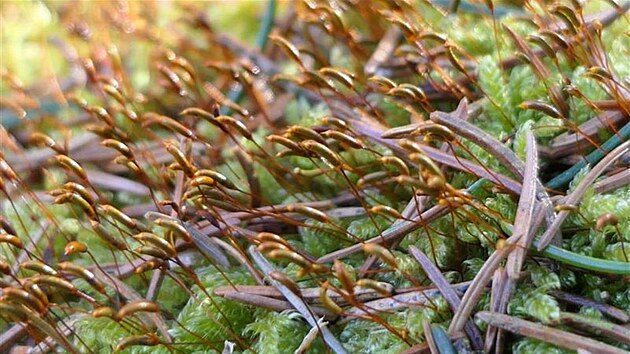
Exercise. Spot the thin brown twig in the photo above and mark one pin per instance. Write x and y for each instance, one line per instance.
(304, 309)
(498, 283)
(449, 294)
(611, 311)
(11, 336)
(569, 143)
(597, 327)
(310, 295)
(525, 209)
(384, 49)
(392, 233)
(399, 301)
(547, 334)
(273, 304)
(613, 182)
(477, 288)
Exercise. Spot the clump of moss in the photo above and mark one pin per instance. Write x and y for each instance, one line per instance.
(286, 132)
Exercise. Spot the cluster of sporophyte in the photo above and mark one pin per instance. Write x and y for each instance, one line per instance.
(315, 176)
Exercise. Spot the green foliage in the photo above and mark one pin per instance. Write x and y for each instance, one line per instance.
(491, 82)
(534, 303)
(474, 36)
(321, 238)
(279, 333)
(568, 279)
(458, 243)
(361, 336)
(300, 112)
(621, 298)
(270, 189)
(212, 319)
(366, 228)
(543, 279)
(591, 312)
(408, 268)
(436, 243)
(393, 113)
(472, 267)
(533, 346)
(99, 335)
(618, 202)
(533, 300)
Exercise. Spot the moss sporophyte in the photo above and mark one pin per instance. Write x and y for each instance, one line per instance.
(315, 176)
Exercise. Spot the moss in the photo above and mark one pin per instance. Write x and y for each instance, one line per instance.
(280, 333)
(321, 238)
(535, 304)
(407, 273)
(209, 321)
(531, 346)
(366, 228)
(360, 336)
(458, 243)
(99, 335)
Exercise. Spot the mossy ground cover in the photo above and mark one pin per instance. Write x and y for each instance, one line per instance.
(422, 176)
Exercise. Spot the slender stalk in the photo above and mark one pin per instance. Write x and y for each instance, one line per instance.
(449, 294)
(547, 334)
(296, 302)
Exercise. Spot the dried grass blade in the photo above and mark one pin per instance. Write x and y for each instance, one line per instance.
(384, 49)
(565, 177)
(155, 284)
(477, 287)
(399, 301)
(116, 183)
(296, 301)
(484, 140)
(206, 246)
(507, 157)
(449, 294)
(392, 233)
(310, 295)
(613, 182)
(547, 334)
(271, 303)
(608, 310)
(498, 283)
(310, 337)
(597, 327)
(11, 336)
(428, 336)
(508, 289)
(236, 253)
(261, 290)
(568, 143)
(525, 208)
